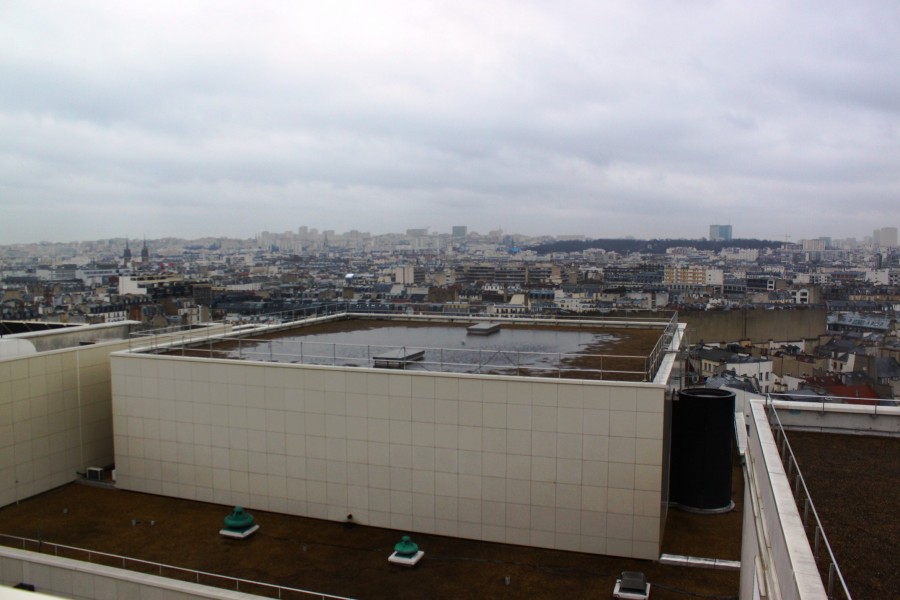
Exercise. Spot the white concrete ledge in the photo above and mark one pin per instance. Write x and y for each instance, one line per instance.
(77, 579)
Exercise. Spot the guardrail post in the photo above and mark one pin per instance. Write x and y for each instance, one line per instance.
(806, 512)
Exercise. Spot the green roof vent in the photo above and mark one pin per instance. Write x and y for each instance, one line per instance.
(239, 524)
(406, 553)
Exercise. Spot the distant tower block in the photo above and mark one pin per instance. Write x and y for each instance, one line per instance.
(406, 553)
(239, 524)
(720, 233)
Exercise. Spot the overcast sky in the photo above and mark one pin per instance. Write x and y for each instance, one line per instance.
(608, 119)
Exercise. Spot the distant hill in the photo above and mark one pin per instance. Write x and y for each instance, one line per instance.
(627, 246)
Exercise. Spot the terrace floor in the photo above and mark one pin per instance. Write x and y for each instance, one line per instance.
(854, 482)
(325, 556)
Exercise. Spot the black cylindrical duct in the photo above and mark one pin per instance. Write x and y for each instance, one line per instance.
(702, 442)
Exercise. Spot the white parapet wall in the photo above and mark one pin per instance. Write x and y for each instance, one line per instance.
(67, 578)
(568, 464)
(839, 418)
(776, 559)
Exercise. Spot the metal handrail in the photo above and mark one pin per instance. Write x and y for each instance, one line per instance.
(44, 548)
(656, 355)
(291, 316)
(832, 399)
(792, 468)
(333, 353)
(649, 364)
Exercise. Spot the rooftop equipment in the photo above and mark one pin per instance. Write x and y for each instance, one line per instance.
(632, 585)
(484, 328)
(702, 442)
(406, 553)
(239, 524)
(397, 359)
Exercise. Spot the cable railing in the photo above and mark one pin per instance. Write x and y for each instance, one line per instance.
(226, 582)
(420, 358)
(815, 533)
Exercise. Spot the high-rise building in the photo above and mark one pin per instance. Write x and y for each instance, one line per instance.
(720, 233)
(886, 237)
(460, 232)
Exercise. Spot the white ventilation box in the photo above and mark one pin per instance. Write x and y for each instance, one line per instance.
(95, 474)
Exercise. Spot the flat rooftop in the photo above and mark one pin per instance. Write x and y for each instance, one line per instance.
(854, 482)
(334, 558)
(618, 351)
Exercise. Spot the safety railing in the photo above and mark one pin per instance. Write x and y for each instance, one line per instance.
(815, 533)
(654, 359)
(258, 588)
(435, 359)
(218, 340)
(869, 406)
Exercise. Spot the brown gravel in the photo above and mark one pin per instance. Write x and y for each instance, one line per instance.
(329, 557)
(854, 482)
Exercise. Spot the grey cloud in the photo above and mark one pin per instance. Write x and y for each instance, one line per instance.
(574, 119)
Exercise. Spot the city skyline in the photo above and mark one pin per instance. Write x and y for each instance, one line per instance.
(311, 234)
(649, 120)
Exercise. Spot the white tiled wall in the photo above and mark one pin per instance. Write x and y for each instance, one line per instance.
(560, 464)
(55, 418)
